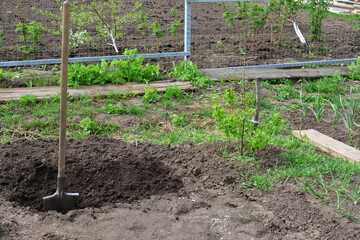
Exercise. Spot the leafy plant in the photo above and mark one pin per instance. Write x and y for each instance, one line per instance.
(336, 110)
(357, 21)
(151, 95)
(180, 120)
(6, 75)
(157, 31)
(137, 109)
(354, 70)
(1, 38)
(252, 18)
(118, 71)
(339, 188)
(89, 126)
(113, 109)
(329, 85)
(286, 92)
(281, 11)
(30, 36)
(349, 111)
(233, 122)
(27, 100)
(106, 18)
(188, 71)
(174, 27)
(318, 10)
(174, 92)
(318, 108)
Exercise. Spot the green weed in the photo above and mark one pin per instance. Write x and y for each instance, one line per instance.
(118, 71)
(151, 95)
(113, 109)
(30, 36)
(89, 126)
(180, 120)
(328, 85)
(354, 70)
(27, 100)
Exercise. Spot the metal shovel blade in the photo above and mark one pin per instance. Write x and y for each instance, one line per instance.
(61, 202)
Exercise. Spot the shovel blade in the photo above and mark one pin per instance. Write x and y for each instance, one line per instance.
(61, 202)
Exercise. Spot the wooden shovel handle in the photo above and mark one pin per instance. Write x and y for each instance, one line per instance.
(64, 80)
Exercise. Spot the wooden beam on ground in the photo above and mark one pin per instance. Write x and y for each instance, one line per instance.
(329, 145)
(273, 73)
(94, 90)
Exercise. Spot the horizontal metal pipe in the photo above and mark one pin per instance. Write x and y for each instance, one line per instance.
(90, 59)
(292, 65)
(203, 1)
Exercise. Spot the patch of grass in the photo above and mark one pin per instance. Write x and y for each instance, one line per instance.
(328, 85)
(188, 71)
(114, 109)
(35, 79)
(138, 109)
(151, 95)
(27, 100)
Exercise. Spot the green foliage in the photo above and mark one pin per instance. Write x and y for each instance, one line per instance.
(137, 109)
(188, 71)
(114, 109)
(349, 109)
(30, 36)
(89, 126)
(174, 92)
(157, 31)
(286, 92)
(329, 85)
(105, 18)
(151, 95)
(335, 192)
(318, 10)
(357, 21)
(180, 120)
(175, 27)
(118, 71)
(28, 100)
(354, 70)
(4, 75)
(252, 18)
(318, 108)
(1, 39)
(280, 11)
(234, 120)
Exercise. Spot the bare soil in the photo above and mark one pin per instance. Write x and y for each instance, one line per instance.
(148, 191)
(214, 42)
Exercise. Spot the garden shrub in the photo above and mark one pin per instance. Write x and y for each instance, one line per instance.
(118, 71)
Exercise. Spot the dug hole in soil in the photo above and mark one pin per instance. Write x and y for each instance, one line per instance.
(149, 191)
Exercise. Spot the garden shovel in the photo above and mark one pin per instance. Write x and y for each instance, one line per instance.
(62, 201)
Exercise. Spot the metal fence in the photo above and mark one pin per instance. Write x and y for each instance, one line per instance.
(170, 30)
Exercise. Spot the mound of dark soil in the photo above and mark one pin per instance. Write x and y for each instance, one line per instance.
(101, 170)
(104, 170)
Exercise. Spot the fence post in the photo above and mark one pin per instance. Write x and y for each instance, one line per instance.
(187, 30)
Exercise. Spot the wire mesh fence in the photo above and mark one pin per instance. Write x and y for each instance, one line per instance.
(31, 29)
(223, 33)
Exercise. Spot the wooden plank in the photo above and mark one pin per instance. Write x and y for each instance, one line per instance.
(94, 90)
(329, 145)
(273, 73)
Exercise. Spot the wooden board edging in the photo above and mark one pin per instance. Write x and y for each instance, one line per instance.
(93, 90)
(329, 145)
(274, 73)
